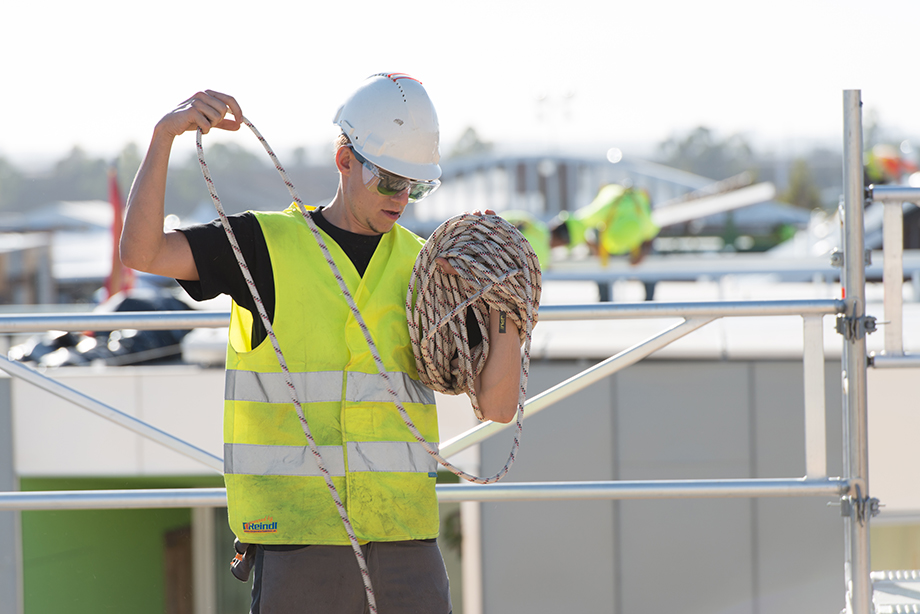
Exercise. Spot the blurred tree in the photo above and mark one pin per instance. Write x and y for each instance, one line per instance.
(78, 177)
(803, 190)
(128, 161)
(470, 144)
(872, 128)
(244, 181)
(11, 184)
(232, 158)
(702, 153)
(300, 157)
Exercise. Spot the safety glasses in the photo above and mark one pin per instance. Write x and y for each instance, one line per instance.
(388, 184)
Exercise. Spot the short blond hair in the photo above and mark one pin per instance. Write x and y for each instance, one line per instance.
(341, 141)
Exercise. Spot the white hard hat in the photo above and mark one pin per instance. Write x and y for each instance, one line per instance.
(391, 122)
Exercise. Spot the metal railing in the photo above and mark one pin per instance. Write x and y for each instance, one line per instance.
(694, 315)
(852, 487)
(893, 198)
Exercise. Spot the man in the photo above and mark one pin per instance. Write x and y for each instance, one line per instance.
(618, 221)
(386, 157)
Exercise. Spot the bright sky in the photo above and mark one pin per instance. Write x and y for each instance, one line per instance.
(100, 73)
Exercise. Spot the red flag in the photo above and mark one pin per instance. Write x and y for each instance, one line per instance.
(121, 278)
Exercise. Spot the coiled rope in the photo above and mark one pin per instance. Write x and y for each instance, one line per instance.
(496, 269)
(461, 261)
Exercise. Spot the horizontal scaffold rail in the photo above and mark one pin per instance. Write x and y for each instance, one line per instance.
(700, 309)
(520, 491)
(895, 193)
(689, 268)
(139, 320)
(169, 320)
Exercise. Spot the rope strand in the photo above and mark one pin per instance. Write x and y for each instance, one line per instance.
(244, 268)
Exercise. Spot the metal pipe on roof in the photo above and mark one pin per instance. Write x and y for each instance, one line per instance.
(139, 320)
(503, 491)
(895, 194)
(893, 276)
(701, 309)
(902, 361)
(141, 498)
(855, 361)
(815, 407)
(172, 320)
(643, 489)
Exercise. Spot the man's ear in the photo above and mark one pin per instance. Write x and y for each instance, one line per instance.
(344, 160)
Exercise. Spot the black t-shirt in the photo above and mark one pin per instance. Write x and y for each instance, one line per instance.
(219, 273)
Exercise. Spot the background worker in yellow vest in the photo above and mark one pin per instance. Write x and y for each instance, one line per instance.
(387, 156)
(618, 221)
(535, 230)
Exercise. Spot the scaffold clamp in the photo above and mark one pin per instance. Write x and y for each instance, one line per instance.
(856, 328)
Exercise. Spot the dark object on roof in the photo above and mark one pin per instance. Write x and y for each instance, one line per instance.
(120, 347)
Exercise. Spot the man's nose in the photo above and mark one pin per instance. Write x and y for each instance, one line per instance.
(401, 197)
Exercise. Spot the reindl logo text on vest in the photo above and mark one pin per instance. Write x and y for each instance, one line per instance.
(263, 525)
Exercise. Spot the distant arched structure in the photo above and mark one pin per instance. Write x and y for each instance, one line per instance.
(543, 185)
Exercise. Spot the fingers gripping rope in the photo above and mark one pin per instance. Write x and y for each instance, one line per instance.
(464, 262)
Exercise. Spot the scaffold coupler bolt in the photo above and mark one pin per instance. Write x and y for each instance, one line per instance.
(856, 328)
(865, 507)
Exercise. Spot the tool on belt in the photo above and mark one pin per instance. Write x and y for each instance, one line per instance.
(241, 565)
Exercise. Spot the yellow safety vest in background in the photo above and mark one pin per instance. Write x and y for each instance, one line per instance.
(385, 478)
(534, 230)
(622, 218)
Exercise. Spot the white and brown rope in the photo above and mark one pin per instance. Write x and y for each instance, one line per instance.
(496, 269)
(463, 262)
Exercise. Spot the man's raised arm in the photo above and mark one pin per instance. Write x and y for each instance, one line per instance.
(144, 245)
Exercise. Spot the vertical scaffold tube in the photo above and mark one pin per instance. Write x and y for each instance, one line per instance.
(856, 457)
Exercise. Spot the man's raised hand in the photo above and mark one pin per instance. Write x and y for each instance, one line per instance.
(204, 110)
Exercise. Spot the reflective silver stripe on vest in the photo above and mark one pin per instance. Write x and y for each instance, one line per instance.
(372, 387)
(271, 388)
(323, 386)
(386, 456)
(250, 459)
(403, 456)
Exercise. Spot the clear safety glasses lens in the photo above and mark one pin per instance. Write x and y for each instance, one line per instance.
(387, 184)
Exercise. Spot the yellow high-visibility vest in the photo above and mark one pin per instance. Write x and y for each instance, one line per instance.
(385, 478)
(621, 216)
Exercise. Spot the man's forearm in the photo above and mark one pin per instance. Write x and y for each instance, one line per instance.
(498, 384)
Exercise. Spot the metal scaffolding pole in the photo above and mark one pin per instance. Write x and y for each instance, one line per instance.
(516, 491)
(142, 320)
(857, 506)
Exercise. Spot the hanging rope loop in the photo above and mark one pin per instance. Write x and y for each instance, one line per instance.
(298, 408)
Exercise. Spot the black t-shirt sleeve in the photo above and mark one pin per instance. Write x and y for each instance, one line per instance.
(218, 270)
